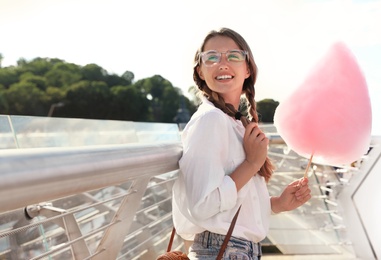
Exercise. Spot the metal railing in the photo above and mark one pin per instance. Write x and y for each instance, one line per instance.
(81, 189)
(88, 185)
(111, 198)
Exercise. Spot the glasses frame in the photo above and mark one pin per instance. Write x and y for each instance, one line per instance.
(219, 54)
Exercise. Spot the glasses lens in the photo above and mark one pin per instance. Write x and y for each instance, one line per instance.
(211, 57)
(235, 55)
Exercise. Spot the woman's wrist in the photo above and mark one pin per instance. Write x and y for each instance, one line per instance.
(276, 205)
(253, 166)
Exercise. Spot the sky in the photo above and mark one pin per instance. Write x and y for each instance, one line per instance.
(152, 37)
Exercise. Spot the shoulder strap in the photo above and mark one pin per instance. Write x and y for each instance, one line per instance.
(171, 239)
(228, 235)
(224, 244)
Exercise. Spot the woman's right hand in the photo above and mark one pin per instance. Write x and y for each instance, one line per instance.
(255, 144)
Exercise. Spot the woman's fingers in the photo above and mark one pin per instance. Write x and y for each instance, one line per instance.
(253, 131)
(255, 144)
(303, 193)
(249, 129)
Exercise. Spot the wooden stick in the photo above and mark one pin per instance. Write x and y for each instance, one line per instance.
(308, 166)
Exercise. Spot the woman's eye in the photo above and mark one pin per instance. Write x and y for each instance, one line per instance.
(235, 56)
(212, 58)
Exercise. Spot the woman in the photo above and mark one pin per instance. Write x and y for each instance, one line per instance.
(224, 163)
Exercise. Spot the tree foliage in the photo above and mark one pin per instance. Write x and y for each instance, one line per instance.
(33, 87)
(266, 110)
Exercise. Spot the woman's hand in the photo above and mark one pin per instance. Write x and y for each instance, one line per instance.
(294, 195)
(255, 144)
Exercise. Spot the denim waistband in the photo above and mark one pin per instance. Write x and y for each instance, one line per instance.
(208, 239)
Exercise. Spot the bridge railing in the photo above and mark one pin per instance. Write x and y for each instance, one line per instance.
(83, 203)
(81, 189)
(93, 189)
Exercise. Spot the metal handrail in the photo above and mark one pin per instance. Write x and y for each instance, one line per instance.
(31, 176)
(136, 215)
(35, 176)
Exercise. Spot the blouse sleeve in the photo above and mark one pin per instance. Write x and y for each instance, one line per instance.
(209, 190)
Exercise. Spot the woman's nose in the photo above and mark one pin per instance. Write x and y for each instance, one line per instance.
(224, 61)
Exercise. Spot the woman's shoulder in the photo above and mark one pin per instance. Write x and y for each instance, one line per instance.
(206, 120)
(207, 125)
(209, 113)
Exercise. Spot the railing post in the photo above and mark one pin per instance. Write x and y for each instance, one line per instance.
(113, 238)
(67, 222)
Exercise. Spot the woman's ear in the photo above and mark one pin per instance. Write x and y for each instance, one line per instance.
(247, 72)
(199, 71)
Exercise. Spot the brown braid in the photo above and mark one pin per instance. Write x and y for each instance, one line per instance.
(267, 168)
(248, 89)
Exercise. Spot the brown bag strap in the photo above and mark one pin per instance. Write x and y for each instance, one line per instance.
(228, 235)
(171, 239)
(224, 244)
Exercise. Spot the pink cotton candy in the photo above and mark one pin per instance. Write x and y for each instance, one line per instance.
(329, 115)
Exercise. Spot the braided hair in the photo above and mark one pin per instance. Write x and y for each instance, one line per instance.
(250, 115)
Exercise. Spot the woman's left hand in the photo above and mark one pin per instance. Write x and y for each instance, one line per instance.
(294, 195)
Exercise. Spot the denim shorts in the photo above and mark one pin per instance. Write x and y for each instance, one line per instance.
(207, 245)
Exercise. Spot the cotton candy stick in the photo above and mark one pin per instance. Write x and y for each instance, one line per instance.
(308, 166)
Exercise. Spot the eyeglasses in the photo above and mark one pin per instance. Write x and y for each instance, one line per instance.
(212, 57)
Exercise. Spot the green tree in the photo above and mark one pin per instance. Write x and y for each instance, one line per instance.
(193, 91)
(87, 99)
(4, 107)
(63, 75)
(93, 72)
(154, 85)
(39, 81)
(170, 103)
(22, 62)
(25, 98)
(115, 80)
(128, 76)
(8, 76)
(31, 88)
(128, 103)
(164, 98)
(55, 95)
(37, 66)
(266, 109)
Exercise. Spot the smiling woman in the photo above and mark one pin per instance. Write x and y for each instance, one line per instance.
(224, 167)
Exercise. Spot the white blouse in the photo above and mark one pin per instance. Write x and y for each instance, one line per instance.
(204, 195)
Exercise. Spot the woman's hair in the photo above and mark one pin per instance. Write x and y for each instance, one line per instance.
(248, 88)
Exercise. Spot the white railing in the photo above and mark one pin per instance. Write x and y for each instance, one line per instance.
(32, 176)
(105, 193)
(81, 189)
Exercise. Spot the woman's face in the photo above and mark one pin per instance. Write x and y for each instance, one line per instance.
(225, 77)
